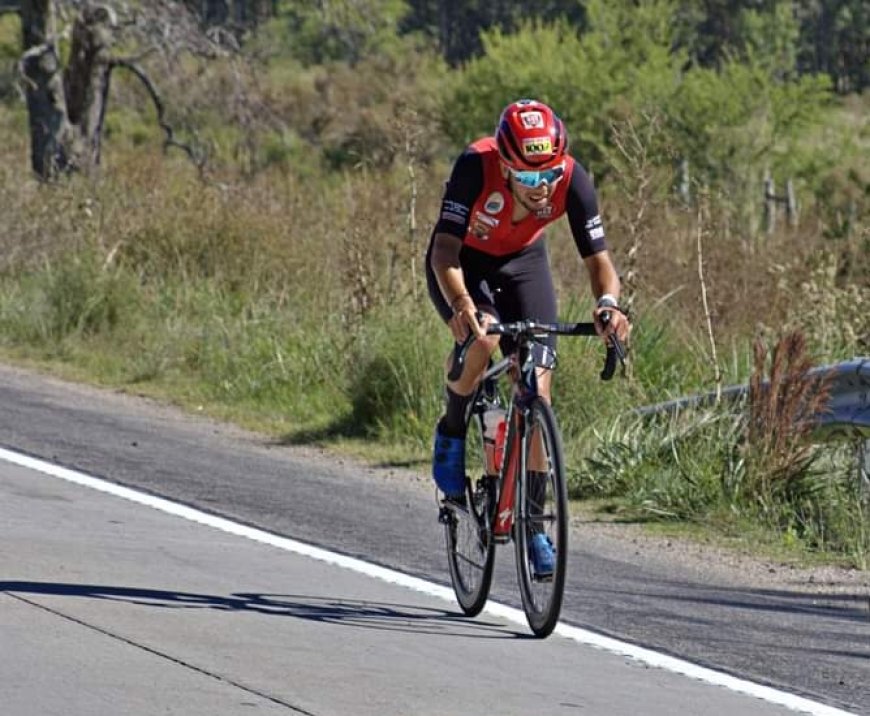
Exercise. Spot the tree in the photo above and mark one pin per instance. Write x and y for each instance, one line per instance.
(458, 24)
(51, 136)
(324, 31)
(835, 39)
(67, 105)
(239, 13)
(833, 35)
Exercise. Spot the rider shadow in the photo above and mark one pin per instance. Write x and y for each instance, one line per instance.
(343, 428)
(355, 613)
(377, 398)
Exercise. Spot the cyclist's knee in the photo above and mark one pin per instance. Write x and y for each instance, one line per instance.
(484, 347)
(476, 361)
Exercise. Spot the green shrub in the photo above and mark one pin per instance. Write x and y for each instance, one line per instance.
(672, 466)
(74, 296)
(395, 376)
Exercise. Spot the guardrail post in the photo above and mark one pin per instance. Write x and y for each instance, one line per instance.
(864, 466)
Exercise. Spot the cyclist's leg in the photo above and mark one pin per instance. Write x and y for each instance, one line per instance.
(448, 466)
(475, 268)
(528, 293)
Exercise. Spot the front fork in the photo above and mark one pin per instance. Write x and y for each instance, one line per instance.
(512, 466)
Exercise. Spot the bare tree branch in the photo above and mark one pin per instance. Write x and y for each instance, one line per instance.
(198, 157)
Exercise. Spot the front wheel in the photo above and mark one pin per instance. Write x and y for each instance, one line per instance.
(470, 547)
(541, 529)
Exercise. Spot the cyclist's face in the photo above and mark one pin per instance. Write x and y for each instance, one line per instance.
(533, 197)
(538, 195)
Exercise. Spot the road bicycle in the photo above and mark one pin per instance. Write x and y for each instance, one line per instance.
(515, 487)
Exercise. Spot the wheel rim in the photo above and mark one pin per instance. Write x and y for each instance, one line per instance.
(541, 511)
(470, 552)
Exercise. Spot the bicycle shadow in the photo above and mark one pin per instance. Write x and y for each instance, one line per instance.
(353, 613)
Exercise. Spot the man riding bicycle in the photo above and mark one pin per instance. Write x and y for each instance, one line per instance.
(487, 254)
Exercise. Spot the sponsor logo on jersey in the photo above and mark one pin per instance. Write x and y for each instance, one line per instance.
(482, 224)
(532, 120)
(494, 203)
(454, 211)
(594, 228)
(536, 146)
(544, 213)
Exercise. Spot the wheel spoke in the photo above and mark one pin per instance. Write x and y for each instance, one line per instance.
(470, 555)
(543, 521)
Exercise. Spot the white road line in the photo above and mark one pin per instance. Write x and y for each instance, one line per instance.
(582, 636)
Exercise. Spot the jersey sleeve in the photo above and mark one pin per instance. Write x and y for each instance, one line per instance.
(462, 190)
(582, 209)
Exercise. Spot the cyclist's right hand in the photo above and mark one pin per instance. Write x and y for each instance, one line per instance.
(465, 319)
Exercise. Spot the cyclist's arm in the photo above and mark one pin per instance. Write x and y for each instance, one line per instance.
(581, 205)
(462, 190)
(588, 231)
(602, 275)
(448, 272)
(605, 286)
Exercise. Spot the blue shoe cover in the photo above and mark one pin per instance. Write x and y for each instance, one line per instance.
(543, 555)
(448, 465)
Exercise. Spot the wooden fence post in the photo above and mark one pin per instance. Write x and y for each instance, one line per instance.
(685, 182)
(769, 203)
(789, 200)
(791, 204)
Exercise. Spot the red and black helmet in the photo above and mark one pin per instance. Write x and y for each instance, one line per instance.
(530, 136)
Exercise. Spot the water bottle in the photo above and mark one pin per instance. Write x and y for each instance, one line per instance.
(494, 428)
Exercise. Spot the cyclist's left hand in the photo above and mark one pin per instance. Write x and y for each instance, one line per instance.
(618, 324)
(465, 319)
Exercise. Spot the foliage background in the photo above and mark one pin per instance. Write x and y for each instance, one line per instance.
(282, 287)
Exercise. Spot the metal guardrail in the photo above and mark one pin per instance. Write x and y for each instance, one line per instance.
(847, 412)
(848, 405)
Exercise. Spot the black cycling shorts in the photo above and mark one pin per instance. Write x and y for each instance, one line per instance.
(516, 287)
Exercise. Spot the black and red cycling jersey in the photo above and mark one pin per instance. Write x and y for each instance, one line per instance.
(478, 206)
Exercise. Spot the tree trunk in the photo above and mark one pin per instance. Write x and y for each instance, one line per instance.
(50, 131)
(86, 80)
(65, 108)
(215, 12)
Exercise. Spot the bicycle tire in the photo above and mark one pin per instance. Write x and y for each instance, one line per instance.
(542, 507)
(470, 547)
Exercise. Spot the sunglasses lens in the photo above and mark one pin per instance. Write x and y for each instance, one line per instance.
(535, 179)
(529, 179)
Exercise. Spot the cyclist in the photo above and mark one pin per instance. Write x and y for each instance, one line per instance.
(487, 253)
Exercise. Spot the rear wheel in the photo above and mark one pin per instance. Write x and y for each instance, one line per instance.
(542, 516)
(470, 549)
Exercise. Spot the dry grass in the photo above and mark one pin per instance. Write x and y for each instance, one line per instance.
(785, 399)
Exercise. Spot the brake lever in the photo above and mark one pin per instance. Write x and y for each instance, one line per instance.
(459, 352)
(458, 362)
(615, 351)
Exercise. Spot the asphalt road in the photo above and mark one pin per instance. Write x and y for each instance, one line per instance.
(817, 646)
